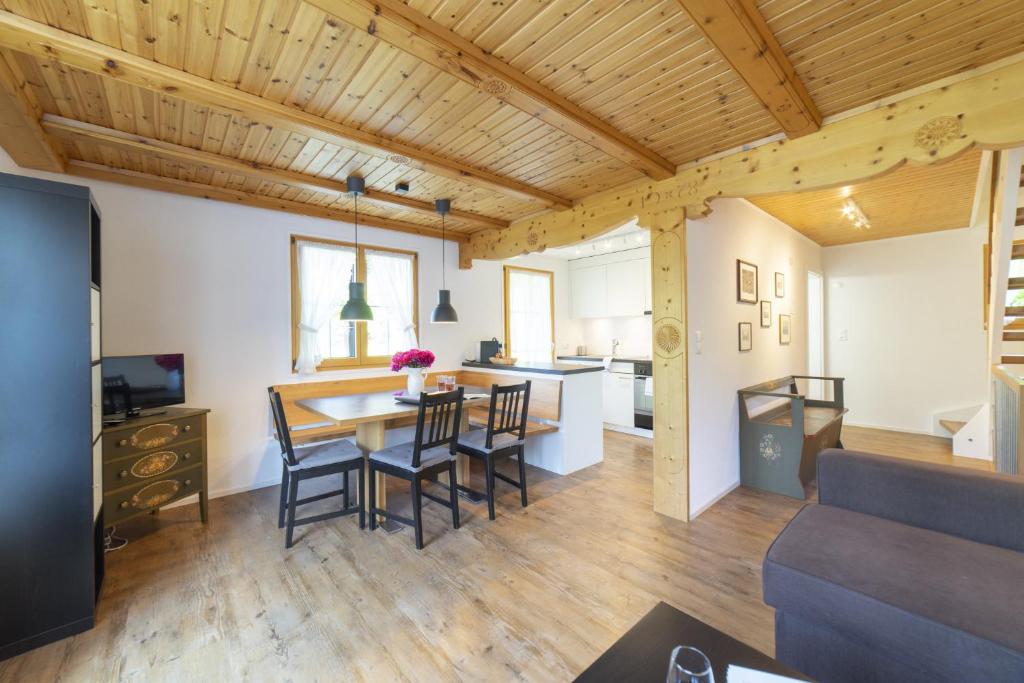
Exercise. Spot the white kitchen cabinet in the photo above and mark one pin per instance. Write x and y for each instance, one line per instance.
(618, 399)
(647, 285)
(626, 287)
(589, 292)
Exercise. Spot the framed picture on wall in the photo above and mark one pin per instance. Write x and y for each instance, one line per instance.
(746, 282)
(785, 333)
(766, 313)
(746, 334)
(780, 285)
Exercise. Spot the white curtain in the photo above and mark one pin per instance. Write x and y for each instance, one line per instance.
(529, 307)
(389, 288)
(324, 271)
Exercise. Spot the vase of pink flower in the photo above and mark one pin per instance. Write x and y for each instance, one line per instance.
(414, 362)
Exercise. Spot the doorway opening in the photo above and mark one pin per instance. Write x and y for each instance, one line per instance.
(815, 334)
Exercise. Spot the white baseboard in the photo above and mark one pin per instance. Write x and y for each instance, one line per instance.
(886, 428)
(635, 431)
(219, 493)
(725, 492)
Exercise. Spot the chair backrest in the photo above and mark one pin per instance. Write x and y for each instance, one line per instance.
(281, 427)
(510, 416)
(437, 422)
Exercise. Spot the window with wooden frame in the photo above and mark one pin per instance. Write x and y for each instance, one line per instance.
(391, 278)
(529, 314)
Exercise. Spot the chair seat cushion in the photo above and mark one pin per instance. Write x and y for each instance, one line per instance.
(475, 439)
(943, 602)
(325, 453)
(400, 455)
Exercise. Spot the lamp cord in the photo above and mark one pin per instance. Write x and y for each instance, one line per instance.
(442, 253)
(355, 199)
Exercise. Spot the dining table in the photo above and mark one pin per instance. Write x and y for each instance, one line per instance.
(371, 415)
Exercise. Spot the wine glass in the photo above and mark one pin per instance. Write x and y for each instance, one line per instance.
(689, 665)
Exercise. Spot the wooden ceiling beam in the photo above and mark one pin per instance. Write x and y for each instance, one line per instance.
(402, 27)
(737, 29)
(146, 181)
(63, 127)
(46, 42)
(20, 132)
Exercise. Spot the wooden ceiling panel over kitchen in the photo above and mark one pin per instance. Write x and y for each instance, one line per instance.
(908, 201)
(850, 54)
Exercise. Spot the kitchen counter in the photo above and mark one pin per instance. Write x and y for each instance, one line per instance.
(540, 368)
(600, 359)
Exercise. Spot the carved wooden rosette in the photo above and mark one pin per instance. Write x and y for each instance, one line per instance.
(668, 304)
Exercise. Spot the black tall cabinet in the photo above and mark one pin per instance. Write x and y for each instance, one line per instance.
(51, 547)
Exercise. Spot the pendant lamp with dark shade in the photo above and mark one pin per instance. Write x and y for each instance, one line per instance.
(356, 308)
(444, 312)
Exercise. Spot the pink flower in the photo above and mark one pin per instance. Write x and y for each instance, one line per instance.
(413, 358)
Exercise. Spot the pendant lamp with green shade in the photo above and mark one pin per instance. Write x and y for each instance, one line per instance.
(356, 308)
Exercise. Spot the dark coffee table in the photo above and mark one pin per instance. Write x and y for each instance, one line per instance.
(642, 654)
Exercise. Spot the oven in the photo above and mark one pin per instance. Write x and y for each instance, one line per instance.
(643, 395)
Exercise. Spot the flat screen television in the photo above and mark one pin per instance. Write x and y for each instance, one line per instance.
(132, 384)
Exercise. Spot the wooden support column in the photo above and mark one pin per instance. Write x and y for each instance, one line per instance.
(671, 417)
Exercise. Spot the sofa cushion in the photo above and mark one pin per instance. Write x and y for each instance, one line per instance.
(945, 602)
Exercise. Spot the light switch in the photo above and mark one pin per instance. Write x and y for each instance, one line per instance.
(698, 338)
(843, 335)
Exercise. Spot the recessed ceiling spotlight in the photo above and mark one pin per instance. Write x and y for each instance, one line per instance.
(401, 188)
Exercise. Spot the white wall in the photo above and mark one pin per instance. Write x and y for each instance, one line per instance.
(211, 280)
(911, 313)
(737, 229)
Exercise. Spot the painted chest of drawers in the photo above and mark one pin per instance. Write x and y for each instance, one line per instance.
(152, 461)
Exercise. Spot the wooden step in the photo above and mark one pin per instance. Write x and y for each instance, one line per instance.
(952, 426)
(1013, 360)
(1016, 283)
(1020, 217)
(1014, 312)
(1013, 336)
(1018, 250)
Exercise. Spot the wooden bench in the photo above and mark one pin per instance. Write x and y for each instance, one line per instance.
(306, 426)
(782, 432)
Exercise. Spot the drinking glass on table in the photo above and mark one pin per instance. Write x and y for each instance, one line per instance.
(689, 665)
(446, 383)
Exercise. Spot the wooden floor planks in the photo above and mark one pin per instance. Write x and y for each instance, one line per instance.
(534, 596)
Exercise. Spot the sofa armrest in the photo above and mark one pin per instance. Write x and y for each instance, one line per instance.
(979, 506)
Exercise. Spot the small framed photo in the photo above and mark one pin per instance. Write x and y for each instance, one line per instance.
(746, 282)
(785, 333)
(746, 335)
(766, 313)
(780, 285)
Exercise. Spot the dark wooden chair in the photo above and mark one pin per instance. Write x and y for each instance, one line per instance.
(503, 437)
(431, 453)
(311, 462)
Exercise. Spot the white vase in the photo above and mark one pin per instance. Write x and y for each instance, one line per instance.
(414, 382)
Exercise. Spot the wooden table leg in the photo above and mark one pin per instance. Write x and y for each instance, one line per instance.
(370, 437)
(462, 468)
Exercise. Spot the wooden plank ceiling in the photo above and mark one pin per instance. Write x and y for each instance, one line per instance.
(508, 108)
(907, 201)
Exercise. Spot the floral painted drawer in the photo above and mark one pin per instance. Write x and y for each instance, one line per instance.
(138, 468)
(151, 494)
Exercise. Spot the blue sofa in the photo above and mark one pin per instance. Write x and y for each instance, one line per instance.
(904, 571)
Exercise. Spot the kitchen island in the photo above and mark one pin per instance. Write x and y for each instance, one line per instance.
(563, 395)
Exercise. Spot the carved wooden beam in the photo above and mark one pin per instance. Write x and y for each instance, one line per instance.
(45, 42)
(68, 128)
(402, 27)
(223, 194)
(926, 128)
(742, 35)
(20, 133)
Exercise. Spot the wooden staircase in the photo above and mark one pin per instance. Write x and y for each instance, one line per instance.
(1013, 330)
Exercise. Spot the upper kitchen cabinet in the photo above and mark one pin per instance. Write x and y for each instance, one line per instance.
(589, 292)
(611, 285)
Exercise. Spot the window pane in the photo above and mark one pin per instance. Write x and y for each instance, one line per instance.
(337, 339)
(391, 294)
(529, 310)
